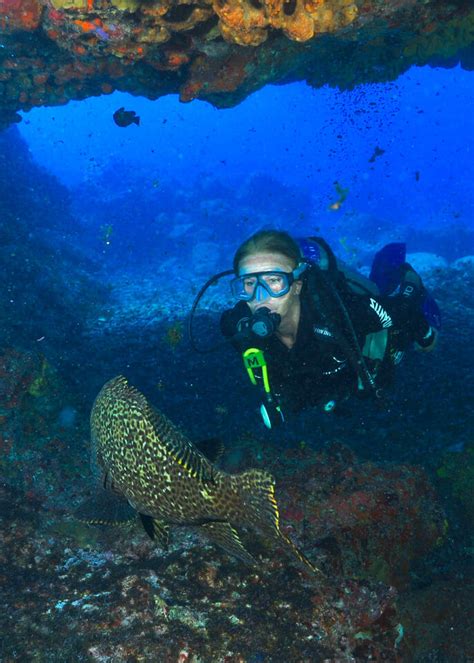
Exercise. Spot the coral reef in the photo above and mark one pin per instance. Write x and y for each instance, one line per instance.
(114, 596)
(248, 23)
(355, 511)
(112, 593)
(457, 470)
(18, 373)
(38, 427)
(219, 50)
(43, 274)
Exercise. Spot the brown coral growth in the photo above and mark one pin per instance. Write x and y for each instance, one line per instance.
(52, 51)
(248, 22)
(19, 15)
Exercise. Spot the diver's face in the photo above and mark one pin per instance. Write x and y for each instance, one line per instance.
(267, 262)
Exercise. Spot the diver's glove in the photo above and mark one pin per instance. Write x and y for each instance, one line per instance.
(427, 341)
(411, 288)
(413, 293)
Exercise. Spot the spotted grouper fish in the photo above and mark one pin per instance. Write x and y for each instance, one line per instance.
(163, 475)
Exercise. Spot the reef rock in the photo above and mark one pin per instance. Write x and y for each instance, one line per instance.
(425, 263)
(52, 51)
(465, 264)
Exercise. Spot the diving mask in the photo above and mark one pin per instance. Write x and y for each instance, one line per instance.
(260, 285)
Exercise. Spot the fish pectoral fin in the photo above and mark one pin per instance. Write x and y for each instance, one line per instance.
(104, 508)
(157, 530)
(228, 538)
(212, 447)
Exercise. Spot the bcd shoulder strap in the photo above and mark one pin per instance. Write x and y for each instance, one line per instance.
(327, 304)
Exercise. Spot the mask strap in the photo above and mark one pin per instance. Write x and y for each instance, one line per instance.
(299, 269)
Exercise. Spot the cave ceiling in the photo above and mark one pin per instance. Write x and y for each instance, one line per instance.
(52, 51)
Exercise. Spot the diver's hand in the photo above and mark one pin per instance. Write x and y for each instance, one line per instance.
(428, 342)
(412, 289)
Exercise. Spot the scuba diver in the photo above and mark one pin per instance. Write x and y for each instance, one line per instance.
(313, 332)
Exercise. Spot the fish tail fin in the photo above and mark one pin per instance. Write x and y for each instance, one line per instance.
(137, 121)
(258, 507)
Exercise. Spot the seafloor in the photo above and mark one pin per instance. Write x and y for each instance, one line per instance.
(380, 498)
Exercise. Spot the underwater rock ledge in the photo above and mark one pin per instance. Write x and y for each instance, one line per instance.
(113, 595)
(52, 51)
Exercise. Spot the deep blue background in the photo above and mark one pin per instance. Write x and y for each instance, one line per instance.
(424, 122)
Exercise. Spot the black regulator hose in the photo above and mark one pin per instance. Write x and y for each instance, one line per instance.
(214, 279)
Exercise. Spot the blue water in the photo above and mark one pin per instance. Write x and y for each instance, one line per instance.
(305, 139)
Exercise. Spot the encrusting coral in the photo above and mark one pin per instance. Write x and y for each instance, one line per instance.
(219, 50)
(247, 22)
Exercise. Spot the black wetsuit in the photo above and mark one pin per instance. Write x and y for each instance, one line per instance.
(321, 365)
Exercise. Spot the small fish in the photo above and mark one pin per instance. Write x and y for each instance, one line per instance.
(100, 32)
(124, 118)
(149, 463)
(376, 153)
(342, 192)
(343, 242)
(107, 231)
(417, 175)
(174, 334)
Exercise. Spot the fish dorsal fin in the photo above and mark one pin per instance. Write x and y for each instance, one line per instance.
(178, 446)
(212, 448)
(181, 448)
(228, 538)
